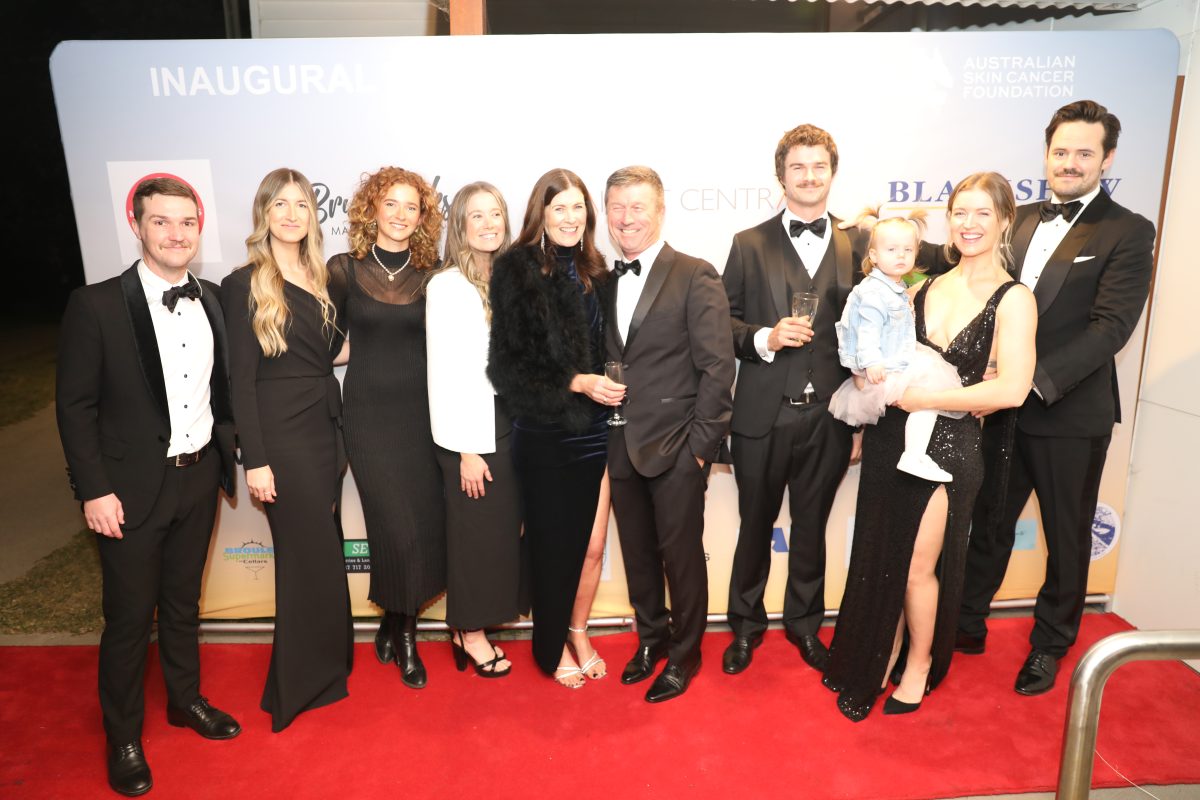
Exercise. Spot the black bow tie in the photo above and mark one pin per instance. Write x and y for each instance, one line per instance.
(171, 296)
(1048, 211)
(621, 267)
(817, 227)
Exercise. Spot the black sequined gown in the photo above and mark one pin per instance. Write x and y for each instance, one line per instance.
(889, 510)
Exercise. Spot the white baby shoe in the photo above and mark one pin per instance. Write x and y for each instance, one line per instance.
(922, 466)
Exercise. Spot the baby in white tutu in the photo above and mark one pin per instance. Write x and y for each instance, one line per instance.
(877, 341)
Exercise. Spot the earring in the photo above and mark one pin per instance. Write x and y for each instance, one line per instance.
(543, 240)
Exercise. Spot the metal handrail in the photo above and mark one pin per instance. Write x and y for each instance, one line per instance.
(1087, 686)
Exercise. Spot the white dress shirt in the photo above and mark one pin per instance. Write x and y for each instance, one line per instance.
(462, 405)
(1046, 239)
(629, 288)
(185, 347)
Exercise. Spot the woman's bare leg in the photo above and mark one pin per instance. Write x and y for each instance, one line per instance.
(589, 580)
(921, 598)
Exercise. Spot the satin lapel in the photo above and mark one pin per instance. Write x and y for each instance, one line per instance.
(144, 339)
(1059, 265)
(612, 329)
(776, 269)
(650, 289)
(221, 400)
(843, 254)
(1022, 236)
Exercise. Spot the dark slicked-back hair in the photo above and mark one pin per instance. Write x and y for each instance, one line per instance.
(1087, 111)
(152, 186)
(805, 136)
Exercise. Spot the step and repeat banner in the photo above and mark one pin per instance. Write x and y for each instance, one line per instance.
(911, 114)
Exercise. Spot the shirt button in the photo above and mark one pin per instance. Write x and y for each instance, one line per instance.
(185, 405)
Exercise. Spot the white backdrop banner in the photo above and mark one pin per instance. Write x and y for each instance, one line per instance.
(911, 114)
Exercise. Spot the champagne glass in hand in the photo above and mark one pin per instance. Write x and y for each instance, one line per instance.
(804, 304)
(615, 372)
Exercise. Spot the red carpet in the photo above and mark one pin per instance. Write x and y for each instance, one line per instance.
(771, 732)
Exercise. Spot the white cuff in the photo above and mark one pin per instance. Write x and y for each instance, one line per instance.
(760, 344)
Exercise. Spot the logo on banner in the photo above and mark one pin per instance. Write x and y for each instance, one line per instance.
(334, 209)
(938, 191)
(123, 179)
(253, 555)
(357, 553)
(1106, 529)
(1019, 77)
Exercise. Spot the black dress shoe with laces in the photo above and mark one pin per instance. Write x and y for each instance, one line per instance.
(385, 651)
(209, 722)
(641, 666)
(739, 654)
(1038, 673)
(969, 645)
(672, 682)
(812, 650)
(128, 772)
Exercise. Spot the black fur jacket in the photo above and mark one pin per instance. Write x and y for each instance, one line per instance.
(540, 340)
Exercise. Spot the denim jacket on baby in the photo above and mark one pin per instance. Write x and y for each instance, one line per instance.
(877, 325)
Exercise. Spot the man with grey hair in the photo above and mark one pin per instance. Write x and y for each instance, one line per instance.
(669, 327)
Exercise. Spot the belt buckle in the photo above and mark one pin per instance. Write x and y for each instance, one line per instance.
(803, 400)
(180, 459)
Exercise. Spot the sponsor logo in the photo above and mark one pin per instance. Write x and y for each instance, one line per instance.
(1106, 529)
(1018, 77)
(778, 541)
(937, 192)
(357, 553)
(333, 209)
(1026, 535)
(133, 188)
(253, 555)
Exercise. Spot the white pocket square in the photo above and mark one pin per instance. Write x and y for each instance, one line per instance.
(1083, 258)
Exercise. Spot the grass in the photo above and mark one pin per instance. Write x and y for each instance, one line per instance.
(28, 356)
(60, 594)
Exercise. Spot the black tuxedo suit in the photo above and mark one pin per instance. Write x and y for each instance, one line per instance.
(778, 444)
(1089, 298)
(679, 372)
(115, 429)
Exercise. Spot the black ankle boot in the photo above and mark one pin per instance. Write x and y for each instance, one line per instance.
(385, 650)
(404, 637)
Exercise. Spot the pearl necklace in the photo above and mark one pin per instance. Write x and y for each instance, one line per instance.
(391, 275)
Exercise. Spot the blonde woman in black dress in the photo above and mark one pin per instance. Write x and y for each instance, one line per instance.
(395, 225)
(473, 432)
(280, 311)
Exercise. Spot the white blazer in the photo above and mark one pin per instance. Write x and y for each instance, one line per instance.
(461, 398)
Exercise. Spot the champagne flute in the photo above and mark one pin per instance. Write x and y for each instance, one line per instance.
(615, 372)
(804, 304)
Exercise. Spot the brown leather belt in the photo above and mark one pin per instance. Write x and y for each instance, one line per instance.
(802, 400)
(187, 459)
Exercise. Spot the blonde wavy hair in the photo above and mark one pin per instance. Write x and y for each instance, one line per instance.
(270, 316)
(869, 220)
(459, 254)
(364, 208)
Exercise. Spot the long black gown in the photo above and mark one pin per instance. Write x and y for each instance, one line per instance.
(391, 449)
(888, 513)
(287, 408)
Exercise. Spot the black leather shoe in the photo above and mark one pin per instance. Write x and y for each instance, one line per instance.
(404, 638)
(969, 645)
(641, 666)
(1038, 673)
(128, 772)
(812, 650)
(739, 654)
(209, 722)
(385, 651)
(672, 682)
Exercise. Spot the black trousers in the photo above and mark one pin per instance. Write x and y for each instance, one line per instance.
(806, 452)
(1065, 473)
(158, 564)
(660, 522)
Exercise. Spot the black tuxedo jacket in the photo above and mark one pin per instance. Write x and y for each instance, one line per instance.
(679, 364)
(756, 285)
(1089, 298)
(112, 400)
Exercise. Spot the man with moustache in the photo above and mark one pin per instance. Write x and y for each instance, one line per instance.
(783, 433)
(142, 402)
(1088, 261)
(669, 326)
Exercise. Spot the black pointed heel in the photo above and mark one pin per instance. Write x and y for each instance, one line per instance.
(893, 706)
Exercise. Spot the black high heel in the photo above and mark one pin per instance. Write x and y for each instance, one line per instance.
(404, 638)
(485, 670)
(893, 706)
